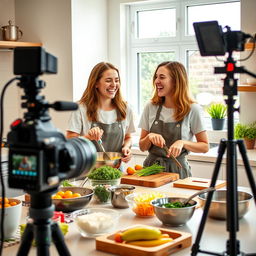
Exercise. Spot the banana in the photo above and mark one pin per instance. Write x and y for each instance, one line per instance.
(150, 243)
(141, 233)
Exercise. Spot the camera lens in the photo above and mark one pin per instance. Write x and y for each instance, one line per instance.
(80, 155)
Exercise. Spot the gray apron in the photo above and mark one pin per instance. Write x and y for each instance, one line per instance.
(170, 132)
(112, 138)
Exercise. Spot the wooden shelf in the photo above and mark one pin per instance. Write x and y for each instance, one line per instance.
(246, 88)
(11, 44)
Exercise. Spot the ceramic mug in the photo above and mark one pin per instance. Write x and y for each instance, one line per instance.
(12, 218)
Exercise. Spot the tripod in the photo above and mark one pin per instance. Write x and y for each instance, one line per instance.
(42, 229)
(232, 244)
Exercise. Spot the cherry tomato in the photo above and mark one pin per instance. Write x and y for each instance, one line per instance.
(130, 171)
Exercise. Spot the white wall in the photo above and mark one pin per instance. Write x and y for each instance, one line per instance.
(49, 22)
(11, 106)
(89, 40)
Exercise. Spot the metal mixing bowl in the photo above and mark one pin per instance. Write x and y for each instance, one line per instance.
(173, 216)
(218, 204)
(115, 159)
(73, 204)
(118, 194)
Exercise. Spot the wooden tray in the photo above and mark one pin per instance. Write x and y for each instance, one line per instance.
(197, 183)
(180, 241)
(155, 180)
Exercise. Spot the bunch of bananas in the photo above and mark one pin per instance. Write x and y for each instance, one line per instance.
(143, 236)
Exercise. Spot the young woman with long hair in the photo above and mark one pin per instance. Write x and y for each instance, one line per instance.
(103, 114)
(171, 119)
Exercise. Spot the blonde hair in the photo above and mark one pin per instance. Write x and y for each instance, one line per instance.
(181, 96)
(90, 97)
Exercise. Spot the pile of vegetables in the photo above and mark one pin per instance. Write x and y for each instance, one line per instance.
(105, 173)
(102, 193)
(150, 170)
(175, 205)
(142, 206)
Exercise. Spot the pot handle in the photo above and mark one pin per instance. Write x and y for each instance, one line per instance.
(20, 34)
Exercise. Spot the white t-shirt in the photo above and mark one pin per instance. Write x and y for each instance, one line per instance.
(191, 125)
(79, 123)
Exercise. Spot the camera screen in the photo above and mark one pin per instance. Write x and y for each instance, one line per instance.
(22, 162)
(209, 38)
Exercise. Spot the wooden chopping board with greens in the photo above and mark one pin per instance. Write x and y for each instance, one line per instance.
(152, 176)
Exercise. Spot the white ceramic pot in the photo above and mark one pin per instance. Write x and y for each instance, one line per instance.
(12, 218)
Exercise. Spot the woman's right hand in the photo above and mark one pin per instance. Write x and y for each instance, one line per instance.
(156, 139)
(95, 133)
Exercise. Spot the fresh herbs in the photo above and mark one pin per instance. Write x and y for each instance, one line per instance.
(153, 169)
(102, 193)
(105, 173)
(175, 205)
(66, 183)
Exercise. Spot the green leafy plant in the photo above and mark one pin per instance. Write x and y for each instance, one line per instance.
(245, 131)
(217, 110)
(105, 173)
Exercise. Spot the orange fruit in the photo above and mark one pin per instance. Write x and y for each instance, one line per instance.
(138, 167)
(76, 195)
(67, 194)
(6, 200)
(60, 193)
(130, 171)
(56, 197)
(13, 203)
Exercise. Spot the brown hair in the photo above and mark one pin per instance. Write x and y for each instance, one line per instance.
(181, 96)
(90, 97)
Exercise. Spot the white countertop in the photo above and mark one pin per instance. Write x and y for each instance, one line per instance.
(213, 239)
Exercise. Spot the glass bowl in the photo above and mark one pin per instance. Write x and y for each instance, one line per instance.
(140, 203)
(93, 222)
(100, 187)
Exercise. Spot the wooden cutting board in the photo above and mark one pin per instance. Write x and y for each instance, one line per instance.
(180, 241)
(155, 180)
(197, 183)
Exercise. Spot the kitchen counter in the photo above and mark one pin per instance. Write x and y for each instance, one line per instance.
(213, 239)
(210, 156)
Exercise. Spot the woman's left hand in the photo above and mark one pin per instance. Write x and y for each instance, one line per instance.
(127, 154)
(176, 148)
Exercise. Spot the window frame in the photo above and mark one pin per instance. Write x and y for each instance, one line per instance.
(181, 43)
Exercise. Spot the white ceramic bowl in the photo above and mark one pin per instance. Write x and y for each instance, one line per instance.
(93, 222)
(11, 218)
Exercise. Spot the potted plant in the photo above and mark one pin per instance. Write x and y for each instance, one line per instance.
(247, 132)
(218, 112)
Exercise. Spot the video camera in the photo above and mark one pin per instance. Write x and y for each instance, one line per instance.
(212, 41)
(39, 155)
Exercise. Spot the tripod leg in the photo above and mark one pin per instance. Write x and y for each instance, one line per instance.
(58, 240)
(221, 150)
(26, 240)
(247, 167)
(43, 237)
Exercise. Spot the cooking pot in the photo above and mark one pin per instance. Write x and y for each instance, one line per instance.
(11, 32)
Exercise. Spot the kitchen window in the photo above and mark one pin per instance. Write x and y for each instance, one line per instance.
(164, 31)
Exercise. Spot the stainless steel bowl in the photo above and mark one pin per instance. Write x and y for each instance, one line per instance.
(218, 204)
(118, 194)
(173, 216)
(115, 159)
(73, 204)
